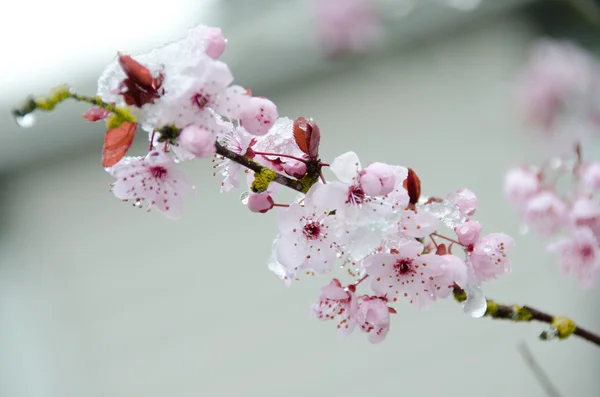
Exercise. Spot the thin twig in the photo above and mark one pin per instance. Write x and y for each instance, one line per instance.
(537, 370)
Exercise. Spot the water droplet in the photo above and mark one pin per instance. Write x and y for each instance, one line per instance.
(475, 305)
(524, 229)
(137, 204)
(26, 121)
(244, 197)
(487, 248)
(549, 333)
(555, 163)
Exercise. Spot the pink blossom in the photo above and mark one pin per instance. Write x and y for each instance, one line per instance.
(545, 212)
(258, 115)
(339, 304)
(489, 257)
(305, 238)
(373, 317)
(590, 177)
(559, 74)
(454, 272)
(260, 202)
(520, 185)
(465, 200)
(215, 43)
(152, 181)
(579, 256)
(417, 223)
(406, 271)
(468, 232)
(348, 196)
(378, 179)
(586, 212)
(197, 140)
(347, 25)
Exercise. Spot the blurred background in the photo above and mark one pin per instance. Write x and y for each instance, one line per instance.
(99, 299)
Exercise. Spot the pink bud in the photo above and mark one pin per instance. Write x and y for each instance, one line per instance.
(215, 43)
(197, 140)
(378, 179)
(294, 168)
(261, 202)
(520, 184)
(465, 201)
(545, 212)
(468, 232)
(258, 115)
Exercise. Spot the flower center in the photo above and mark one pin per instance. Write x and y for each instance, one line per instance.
(356, 195)
(158, 172)
(312, 230)
(201, 100)
(404, 267)
(586, 251)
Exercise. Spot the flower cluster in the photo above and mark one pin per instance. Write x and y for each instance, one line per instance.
(562, 94)
(370, 220)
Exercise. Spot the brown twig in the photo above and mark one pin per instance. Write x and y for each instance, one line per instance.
(562, 326)
(537, 370)
(254, 166)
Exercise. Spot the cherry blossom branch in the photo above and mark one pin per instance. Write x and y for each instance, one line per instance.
(254, 166)
(560, 327)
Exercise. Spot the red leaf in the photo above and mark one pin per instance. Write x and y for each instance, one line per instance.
(300, 133)
(314, 139)
(412, 184)
(117, 142)
(140, 87)
(307, 136)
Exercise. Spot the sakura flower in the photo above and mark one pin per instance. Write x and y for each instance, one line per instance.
(363, 220)
(559, 79)
(468, 232)
(214, 43)
(406, 271)
(276, 267)
(373, 317)
(378, 179)
(489, 259)
(417, 223)
(586, 212)
(579, 256)
(305, 240)
(346, 25)
(197, 140)
(339, 304)
(258, 115)
(520, 184)
(260, 202)
(152, 181)
(465, 200)
(545, 212)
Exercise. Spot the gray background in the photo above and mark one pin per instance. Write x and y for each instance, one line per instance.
(100, 299)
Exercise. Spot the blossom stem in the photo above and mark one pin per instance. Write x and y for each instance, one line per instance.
(561, 327)
(446, 238)
(279, 155)
(361, 280)
(60, 94)
(254, 166)
(281, 205)
(433, 240)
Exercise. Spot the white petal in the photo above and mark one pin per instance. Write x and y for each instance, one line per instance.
(346, 167)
